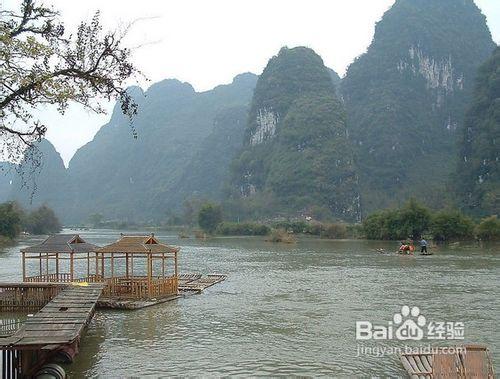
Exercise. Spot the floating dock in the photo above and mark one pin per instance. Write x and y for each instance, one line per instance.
(468, 361)
(189, 283)
(52, 333)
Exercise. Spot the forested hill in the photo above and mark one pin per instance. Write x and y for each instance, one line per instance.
(137, 179)
(477, 180)
(296, 155)
(406, 96)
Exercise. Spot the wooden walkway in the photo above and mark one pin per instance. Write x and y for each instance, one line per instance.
(468, 361)
(197, 283)
(60, 322)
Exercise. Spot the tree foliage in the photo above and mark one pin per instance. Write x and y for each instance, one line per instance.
(489, 229)
(10, 220)
(451, 225)
(209, 217)
(409, 221)
(42, 221)
(40, 64)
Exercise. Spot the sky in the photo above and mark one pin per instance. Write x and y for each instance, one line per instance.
(207, 43)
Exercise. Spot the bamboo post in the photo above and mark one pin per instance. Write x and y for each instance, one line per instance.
(40, 257)
(88, 265)
(57, 266)
(112, 267)
(47, 266)
(132, 282)
(175, 263)
(96, 265)
(71, 266)
(126, 265)
(163, 265)
(24, 266)
(149, 274)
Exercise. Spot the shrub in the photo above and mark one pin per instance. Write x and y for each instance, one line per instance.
(42, 221)
(489, 229)
(411, 220)
(10, 220)
(334, 231)
(209, 217)
(451, 225)
(242, 229)
(281, 235)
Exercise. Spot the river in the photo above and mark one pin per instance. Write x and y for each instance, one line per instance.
(288, 309)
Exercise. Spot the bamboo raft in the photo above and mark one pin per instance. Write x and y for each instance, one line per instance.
(472, 361)
(197, 283)
(53, 332)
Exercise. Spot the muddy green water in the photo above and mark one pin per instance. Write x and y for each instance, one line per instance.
(288, 309)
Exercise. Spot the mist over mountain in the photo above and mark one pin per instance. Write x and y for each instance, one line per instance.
(405, 98)
(126, 178)
(296, 149)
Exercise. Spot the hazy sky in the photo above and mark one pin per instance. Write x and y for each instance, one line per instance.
(207, 43)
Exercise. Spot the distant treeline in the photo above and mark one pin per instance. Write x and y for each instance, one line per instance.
(14, 220)
(411, 221)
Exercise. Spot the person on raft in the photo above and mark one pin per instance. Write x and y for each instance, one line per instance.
(423, 246)
(406, 248)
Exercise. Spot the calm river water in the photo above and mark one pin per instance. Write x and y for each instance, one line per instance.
(288, 309)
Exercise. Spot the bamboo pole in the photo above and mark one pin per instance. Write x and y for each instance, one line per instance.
(112, 273)
(24, 266)
(47, 265)
(88, 265)
(126, 265)
(71, 266)
(149, 274)
(163, 265)
(57, 266)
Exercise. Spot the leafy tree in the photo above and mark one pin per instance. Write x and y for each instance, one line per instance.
(449, 225)
(489, 229)
(411, 220)
(40, 65)
(10, 220)
(42, 221)
(209, 217)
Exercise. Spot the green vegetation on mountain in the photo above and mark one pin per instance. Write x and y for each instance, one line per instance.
(296, 152)
(405, 98)
(477, 180)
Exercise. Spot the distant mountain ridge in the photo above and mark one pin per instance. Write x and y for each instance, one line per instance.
(299, 140)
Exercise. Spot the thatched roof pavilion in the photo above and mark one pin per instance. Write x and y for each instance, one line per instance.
(55, 258)
(136, 267)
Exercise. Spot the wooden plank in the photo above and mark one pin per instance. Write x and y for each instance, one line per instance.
(426, 362)
(408, 367)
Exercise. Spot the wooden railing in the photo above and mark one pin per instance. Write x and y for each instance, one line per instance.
(140, 288)
(9, 326)
(26, 296)
(50, 278)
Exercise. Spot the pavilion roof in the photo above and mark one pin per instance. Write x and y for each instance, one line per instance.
(62, 243)
(138, 244)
